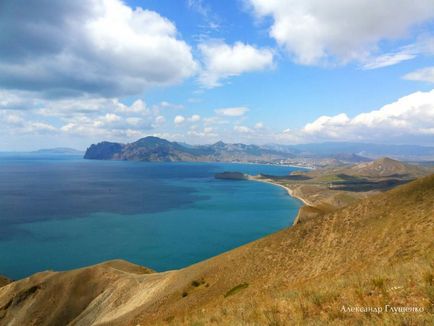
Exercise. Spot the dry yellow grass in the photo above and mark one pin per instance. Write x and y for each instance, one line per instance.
(376, 252)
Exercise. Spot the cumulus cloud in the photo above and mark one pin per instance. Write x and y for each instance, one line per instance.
(410, 118)
(91, 118)
(233, 111)
(95, 46)
(242, 129)
(317, 31)
(194, 118)
(16, 122)
(222, 61)
(259, 125)
(179, 119)
(424, 74)
(159, 120)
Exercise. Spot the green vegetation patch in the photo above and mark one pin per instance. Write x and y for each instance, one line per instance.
(236, 289)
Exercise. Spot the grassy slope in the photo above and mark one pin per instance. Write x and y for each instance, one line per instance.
(378, 251)
(4, 280)
(375, 252)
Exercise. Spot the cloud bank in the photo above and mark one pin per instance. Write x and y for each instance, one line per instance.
(89, 47)
(318, 31)
(410, 118)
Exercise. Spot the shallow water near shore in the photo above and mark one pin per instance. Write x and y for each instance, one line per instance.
(59, 213)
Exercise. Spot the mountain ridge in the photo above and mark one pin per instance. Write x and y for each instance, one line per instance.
(154, 149)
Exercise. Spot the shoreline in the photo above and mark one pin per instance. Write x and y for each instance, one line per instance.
(290, 193)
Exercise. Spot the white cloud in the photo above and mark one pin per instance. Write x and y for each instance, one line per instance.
(389, 59)
(242, 129)
(159, 120)
(232, 112)
(205, 11)
(111, 117)
(91, 118)
(409, 118)
(424, 74)
(134, 121)
(168, 105)
(138, 106)
(17, 123)
(259, 125)
(317, 31)
(205, 134)
(194, 118)
(179, 119)
(222, 61)
(89, 46)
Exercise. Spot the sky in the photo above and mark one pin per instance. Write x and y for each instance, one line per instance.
(73, 73)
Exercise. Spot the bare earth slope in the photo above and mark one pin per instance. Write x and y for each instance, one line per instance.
(376, 252)
(4, 280)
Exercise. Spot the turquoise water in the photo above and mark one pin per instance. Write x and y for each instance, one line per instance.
(62, 213)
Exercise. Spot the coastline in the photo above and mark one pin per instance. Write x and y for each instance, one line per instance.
(290, 193)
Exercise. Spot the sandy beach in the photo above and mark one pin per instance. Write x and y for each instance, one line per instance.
(290, 191)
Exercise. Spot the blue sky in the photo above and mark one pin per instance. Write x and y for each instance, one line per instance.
(253, 71)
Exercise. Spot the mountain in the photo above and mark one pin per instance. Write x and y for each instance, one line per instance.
(154, 149)
(377, 253)
(319, 155)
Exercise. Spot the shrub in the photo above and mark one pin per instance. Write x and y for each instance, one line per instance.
(236, 289)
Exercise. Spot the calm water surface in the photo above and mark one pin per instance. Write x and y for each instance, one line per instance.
(60, 213)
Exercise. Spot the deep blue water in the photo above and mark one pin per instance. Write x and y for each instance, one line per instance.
(60, 212)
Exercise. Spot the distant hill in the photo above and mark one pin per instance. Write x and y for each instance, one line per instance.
(154, 149)
(401, 152)
(385, 167)
(375, 252)
(58, 151)
(350, 158)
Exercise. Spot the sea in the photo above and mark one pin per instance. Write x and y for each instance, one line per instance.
(63, 212)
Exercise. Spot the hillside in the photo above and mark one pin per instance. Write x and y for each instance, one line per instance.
(154, 149)
(385, 167)
(4, 280)
(328, 189)
(376, 252)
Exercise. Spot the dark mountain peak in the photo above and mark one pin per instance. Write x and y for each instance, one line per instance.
(103, 151)
(151, 140)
